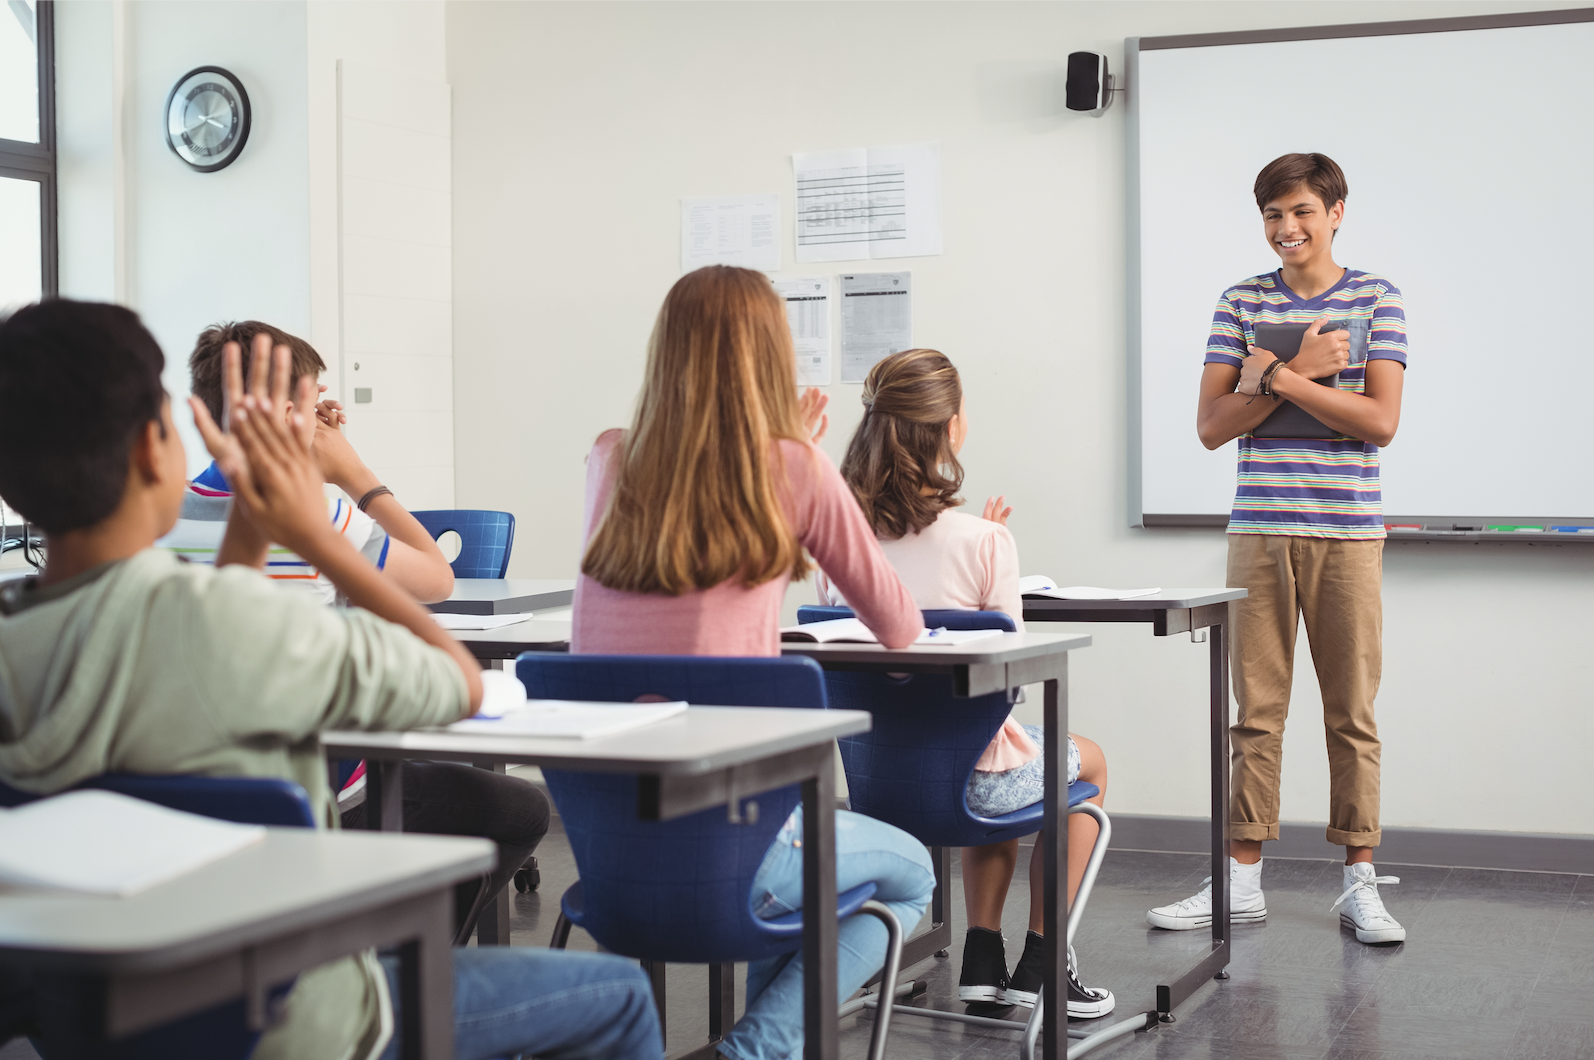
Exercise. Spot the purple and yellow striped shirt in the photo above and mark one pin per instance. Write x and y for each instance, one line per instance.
(1311, 487)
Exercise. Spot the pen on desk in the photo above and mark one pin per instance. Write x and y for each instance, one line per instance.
(937, 631)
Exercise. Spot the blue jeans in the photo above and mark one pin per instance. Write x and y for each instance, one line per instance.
(557, 1004)
(866, 849)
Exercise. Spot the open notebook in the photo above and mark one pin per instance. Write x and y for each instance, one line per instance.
(1040, 585)
(99, 842)
(853, 631)
(565, 719)
(448, 620)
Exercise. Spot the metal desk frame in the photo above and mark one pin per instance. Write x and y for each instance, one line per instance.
(996, 664)
(1169, 612)
(667, 790)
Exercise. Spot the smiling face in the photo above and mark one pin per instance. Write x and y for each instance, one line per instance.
(1299, 228)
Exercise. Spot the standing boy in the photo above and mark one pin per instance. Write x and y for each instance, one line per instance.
(1306, 536)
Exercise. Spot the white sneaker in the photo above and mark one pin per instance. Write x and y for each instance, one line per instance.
(1196, 911)
(1364, 909)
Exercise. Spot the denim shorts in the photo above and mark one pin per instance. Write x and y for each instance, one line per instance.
(993, 794)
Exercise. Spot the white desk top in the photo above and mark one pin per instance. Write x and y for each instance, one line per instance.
(534, 634)
(1167, 599)
(507, 596)
(297, 878)
(987, 651)
(701, 740)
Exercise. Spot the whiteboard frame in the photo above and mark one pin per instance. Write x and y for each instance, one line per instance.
(1133, 46)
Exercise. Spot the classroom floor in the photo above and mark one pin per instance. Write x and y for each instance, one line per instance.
(1498, 964)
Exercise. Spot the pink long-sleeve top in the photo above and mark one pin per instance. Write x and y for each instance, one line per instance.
(961, 563)
(729, 619)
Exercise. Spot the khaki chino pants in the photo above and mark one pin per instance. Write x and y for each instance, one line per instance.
(1337, 587)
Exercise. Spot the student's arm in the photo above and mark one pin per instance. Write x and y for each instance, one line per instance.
(242, 542)
(414, 561)
(1223, 413)
(832, 528)
(1372, 416)
(278, 487)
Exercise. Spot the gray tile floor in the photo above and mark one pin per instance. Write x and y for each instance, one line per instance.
(1498, 964)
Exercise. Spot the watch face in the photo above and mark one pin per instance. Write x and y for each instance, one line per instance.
(207, 118)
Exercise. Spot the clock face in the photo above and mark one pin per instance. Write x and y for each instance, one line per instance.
(207, 118)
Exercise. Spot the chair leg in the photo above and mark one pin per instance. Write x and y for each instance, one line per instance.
(655, 973)
(882, 1020)
(1098, 851)
(561, 933)
(721, 999)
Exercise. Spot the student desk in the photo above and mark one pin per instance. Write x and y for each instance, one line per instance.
(506, 642)
(506, 596)
(980, 667)
(1180, 611)
(259, 917)
(704, 758)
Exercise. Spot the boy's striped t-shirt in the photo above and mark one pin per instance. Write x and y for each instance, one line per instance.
(1311, 487)
(203, 520)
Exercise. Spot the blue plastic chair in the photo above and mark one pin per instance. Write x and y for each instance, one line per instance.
(486, 539)
(221, 1032)
(680, 891)
(912, 768)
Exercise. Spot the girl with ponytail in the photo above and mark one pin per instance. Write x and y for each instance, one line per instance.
(902, 465)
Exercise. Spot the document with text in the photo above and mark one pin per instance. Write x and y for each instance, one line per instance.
(876, 320)
(739, 230)
(808, 313)
(868, 202)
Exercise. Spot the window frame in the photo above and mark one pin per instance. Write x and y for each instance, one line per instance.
(36, 161)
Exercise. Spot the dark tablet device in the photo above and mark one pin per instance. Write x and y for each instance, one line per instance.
(1289, 420)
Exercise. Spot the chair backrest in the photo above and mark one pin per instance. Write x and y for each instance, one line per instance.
(912, 768)
(676, 890)
(247, 800)
(936, 618)
(485, 539)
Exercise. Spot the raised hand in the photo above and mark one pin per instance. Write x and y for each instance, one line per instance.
(267, 448)
(994, 510)
(811, 406)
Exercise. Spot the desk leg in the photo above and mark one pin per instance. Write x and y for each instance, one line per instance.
(819, 914)
(1213, 965)
(384, 795)
(426, 986)
(1220, 788)
(492, 926)
(1054, 995)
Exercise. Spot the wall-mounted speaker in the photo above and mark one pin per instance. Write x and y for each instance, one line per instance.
(1089, 85)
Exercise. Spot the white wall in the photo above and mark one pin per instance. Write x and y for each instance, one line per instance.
(577, 128)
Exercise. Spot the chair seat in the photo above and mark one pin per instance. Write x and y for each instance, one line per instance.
(788, 926)
(1035, 813)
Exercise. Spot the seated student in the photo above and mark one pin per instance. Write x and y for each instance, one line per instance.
(377, 524)
(696, 518)
(443, 798)
(122, 658)
(902, 465)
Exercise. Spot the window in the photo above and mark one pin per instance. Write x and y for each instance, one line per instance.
(27, 152)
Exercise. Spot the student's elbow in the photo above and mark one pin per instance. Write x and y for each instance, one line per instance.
(440, 584)
(427, 579)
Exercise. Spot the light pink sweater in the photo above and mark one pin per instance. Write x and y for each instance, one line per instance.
(729, 619)
(961, 563)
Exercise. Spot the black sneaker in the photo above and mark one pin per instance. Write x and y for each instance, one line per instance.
(984, 966)
(1084, 1002)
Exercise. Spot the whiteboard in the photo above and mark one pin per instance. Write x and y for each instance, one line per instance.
(1468, 155)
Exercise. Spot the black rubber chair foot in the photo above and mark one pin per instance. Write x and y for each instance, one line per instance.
(1222, 974)
(528, 877)
(943, 954)
(1167, 1017)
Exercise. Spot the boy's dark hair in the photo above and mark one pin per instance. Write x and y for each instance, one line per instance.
(1318, 172)
(205, 363)
(78, 382)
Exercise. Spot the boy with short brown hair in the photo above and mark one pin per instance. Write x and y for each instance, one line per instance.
(1306, 535)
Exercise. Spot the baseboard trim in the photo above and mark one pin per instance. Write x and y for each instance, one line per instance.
(1522, 851)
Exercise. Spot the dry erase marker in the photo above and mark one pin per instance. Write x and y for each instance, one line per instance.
(1573, 529)
(1403, 526)
(1514, 528)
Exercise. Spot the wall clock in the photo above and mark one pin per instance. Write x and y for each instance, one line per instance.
(207, 118)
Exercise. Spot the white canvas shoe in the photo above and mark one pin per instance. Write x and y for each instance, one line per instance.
(1364, 910)
(1196, 911)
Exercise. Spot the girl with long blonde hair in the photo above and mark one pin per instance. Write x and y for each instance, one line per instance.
(902, 464)
(696, 519)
